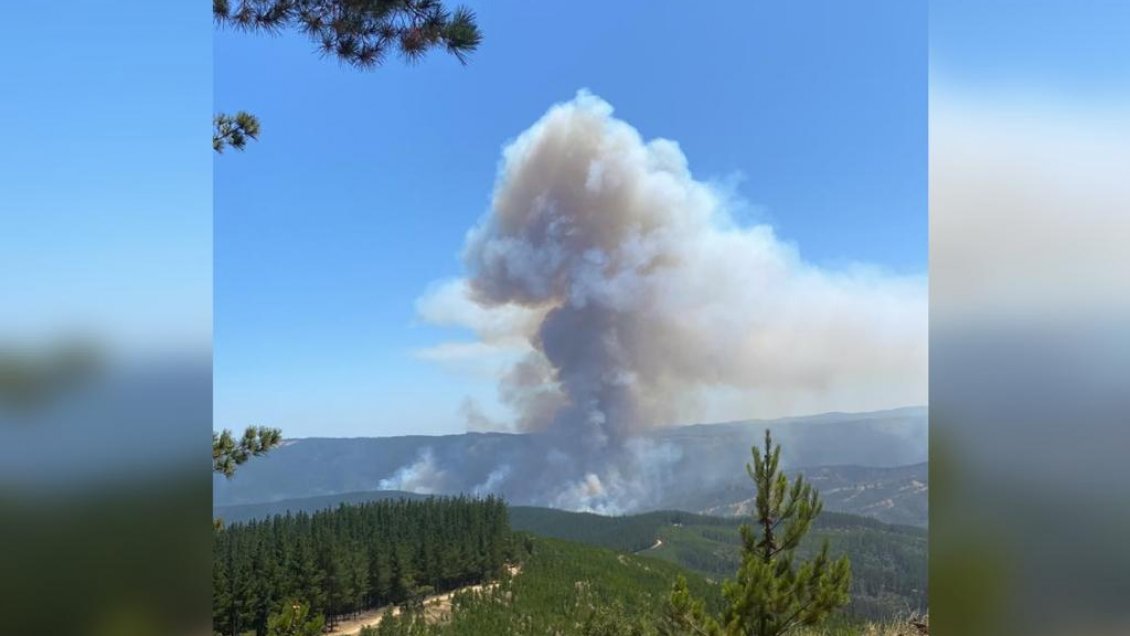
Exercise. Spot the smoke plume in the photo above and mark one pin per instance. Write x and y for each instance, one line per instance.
(422, 476)
(619, 294)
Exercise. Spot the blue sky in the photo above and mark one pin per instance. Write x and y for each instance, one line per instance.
(1073, 48)
(359, 193)
(102, 171)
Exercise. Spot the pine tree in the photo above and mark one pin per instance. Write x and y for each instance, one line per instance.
(295, 620)
(221, 597)
(773, 593)
(686, 614)
(243, 593)
(380, 576)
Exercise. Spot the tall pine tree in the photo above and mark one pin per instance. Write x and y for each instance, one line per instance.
(773, 592)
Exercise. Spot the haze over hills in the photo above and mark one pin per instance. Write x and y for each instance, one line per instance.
(888, 561)
(865, 463)
(897, 494)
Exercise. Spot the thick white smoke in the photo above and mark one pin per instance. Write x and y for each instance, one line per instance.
(423, 476)
(620, 294)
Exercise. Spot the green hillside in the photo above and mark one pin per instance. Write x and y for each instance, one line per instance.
(551, 572)
(888, 561)
(568, 588)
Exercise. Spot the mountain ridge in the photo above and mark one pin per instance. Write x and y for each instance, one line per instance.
(815, 417)
(695, 468)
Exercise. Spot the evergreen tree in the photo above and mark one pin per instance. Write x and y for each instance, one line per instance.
(686, 614)
(772, 594)
(309, 577)
(221, 599)
(242, 595)
(295, 620)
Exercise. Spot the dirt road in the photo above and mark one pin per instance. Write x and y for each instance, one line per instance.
(436, 607)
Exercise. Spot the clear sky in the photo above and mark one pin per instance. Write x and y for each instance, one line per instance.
(363, 185)
(101, 171)
(1076, 48)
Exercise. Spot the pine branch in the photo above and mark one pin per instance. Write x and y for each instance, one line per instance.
(228, 454)
(360, 32)
(234, 130)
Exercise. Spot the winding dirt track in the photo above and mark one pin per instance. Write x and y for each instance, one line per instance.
(436, 607)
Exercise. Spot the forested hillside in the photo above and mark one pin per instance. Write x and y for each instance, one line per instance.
(570, 589)
(889, 574)
(613, 573)
(566, 589)
(354, 557)
(888, 561)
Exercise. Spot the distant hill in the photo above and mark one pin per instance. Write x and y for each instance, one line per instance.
(893, 495)
(246, 512)
(705, 471)
(897, 494)
(888, 561)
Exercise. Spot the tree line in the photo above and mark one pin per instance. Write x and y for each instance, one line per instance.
(343, 561)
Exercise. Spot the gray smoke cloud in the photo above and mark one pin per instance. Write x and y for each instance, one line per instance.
(614, 293)
(423, 476)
